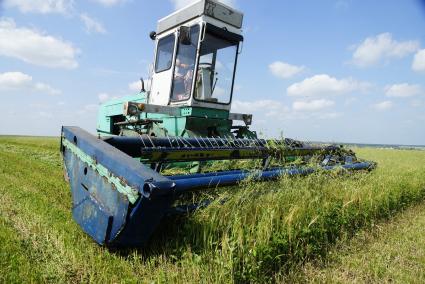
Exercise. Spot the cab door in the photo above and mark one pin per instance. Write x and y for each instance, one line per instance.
(163, 71)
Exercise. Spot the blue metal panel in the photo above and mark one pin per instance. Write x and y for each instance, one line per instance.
(103, 212)
(88, 209)
(123, 166)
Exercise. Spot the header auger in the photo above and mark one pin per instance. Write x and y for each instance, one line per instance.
(121, 180)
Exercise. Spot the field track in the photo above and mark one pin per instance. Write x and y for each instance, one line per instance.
(261, 233)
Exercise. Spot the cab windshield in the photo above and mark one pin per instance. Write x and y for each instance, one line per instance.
(216, 69)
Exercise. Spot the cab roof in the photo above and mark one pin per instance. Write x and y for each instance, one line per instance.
(210, 8)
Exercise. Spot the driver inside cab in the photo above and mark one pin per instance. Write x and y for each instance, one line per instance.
(182, 80)
(184, 67)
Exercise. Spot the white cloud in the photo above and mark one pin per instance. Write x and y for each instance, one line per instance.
(41, 6)
(35, 47)
(374, 49)
(402, 90)
(18, 81)
(135, 86)
(14, 80)
(330, 115)
(419, 61)
(103, 97)
(324, 84)
(92, 25)
(313, 105)
(178, 4)
(270, 114)
(284, 70)
(88, 109)
(266, 112)
(44, 88)
(247, 107)
(385, 105)
(109, 3)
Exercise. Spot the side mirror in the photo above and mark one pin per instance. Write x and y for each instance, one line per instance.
(142, 90)
(184, 35)
(152, 35)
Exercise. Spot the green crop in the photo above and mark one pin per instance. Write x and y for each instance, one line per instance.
(250, 233)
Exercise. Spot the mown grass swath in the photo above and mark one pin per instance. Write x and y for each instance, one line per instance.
(249, 233)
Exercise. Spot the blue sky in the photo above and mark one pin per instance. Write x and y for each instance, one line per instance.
(330, 70)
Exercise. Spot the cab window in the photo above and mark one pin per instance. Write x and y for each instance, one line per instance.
(185, 67)
(164, 53)
(216, 69)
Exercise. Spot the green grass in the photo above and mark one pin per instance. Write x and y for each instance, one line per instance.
(16, 265)
(391, 251)
(262, 231)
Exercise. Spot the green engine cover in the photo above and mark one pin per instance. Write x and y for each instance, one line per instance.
(192, 121)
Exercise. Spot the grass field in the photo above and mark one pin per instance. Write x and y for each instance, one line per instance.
(263, 232)
(391, 252)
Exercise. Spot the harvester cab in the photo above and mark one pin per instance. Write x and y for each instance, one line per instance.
(191, 81)
(202, 39)
(122, 180)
